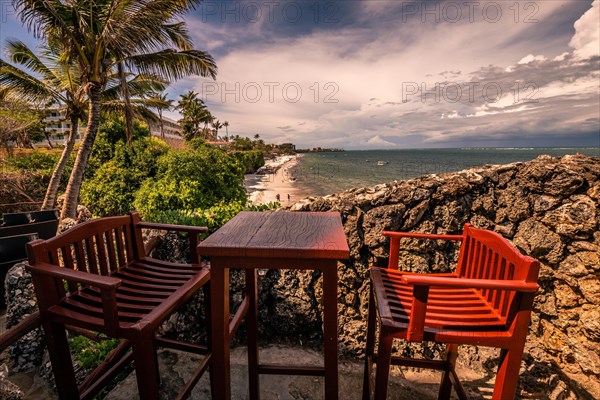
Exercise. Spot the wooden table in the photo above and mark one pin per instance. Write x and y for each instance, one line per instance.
(272, 240)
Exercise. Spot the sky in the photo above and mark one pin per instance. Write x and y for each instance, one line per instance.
(398, 74)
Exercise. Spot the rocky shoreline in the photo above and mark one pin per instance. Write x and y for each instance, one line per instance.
(548, 207)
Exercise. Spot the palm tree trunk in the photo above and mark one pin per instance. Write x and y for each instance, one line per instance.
(85, 149)
(162, 127)
(50, 197)
(127, 101)
(48, 139)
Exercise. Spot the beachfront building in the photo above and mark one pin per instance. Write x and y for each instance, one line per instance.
(171, 128)
(58, 126)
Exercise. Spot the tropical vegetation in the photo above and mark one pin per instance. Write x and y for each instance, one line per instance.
(139, 37)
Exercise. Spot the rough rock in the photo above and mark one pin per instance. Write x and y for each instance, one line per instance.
(26, 354)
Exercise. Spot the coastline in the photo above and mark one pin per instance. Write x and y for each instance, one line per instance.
(264, 188)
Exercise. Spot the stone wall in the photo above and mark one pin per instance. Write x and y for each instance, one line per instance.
(549, 208)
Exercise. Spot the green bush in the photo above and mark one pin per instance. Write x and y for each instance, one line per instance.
(191, 179)
(212, 217)
(111, 189)
(38, 160)
(111, 137)
(250, 160)
(89, 353)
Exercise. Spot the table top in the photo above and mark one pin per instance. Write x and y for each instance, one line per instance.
(279, 234)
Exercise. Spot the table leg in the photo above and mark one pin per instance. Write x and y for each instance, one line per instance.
(252, 334)
(330, 329)
(220, 340)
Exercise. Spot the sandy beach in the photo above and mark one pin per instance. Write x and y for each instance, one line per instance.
(264, 189)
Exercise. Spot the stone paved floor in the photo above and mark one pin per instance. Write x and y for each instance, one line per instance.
(175, 368)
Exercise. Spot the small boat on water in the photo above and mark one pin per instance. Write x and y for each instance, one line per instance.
(382, 163)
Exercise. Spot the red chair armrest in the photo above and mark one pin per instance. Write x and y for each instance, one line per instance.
(428, 280)
(428, 236)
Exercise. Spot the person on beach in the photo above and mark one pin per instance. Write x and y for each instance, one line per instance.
(277, 197)
(289, 197)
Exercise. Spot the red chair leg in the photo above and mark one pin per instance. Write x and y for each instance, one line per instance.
(384, 357)
(60, 356)
(371, 327)
(146, 366)
(508, 374)
(446, 384)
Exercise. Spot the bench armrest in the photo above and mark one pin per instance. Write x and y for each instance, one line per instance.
(171, 227)
(513, 285)
(193, 232)
(99, 281)
(107, 285)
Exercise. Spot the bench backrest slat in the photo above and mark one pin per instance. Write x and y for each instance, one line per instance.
(100, 246)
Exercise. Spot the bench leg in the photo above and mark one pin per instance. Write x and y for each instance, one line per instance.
(60, 357)
(446, 384)
(371, 327)
(384, 358)
(146, 365)
(508, 374)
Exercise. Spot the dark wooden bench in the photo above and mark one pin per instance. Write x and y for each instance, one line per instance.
(96, 277)
(43, 223)
(487, 301)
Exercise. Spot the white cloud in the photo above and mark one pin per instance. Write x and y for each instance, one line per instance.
(531, 58)
(356, 85)
(586, 40)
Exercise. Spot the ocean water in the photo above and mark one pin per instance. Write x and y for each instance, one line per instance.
(320, 174)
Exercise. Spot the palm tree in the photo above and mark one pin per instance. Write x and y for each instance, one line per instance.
(226, 125)
(143, 36)
(162, 103)
(216, 124)
(49, 81)
(46, 79)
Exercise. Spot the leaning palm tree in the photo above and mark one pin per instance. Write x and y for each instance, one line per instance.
(142, 35)
(45, 79)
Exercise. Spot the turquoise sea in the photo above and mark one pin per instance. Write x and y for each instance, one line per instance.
(326, 173)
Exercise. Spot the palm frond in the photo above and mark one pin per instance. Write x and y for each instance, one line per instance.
(173, 65)
(25, 87)
(19, 53)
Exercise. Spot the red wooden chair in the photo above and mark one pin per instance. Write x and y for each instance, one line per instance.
(96, 277)
(487, 301)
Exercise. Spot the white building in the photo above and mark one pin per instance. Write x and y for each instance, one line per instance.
(58, 126)
(171, 128)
